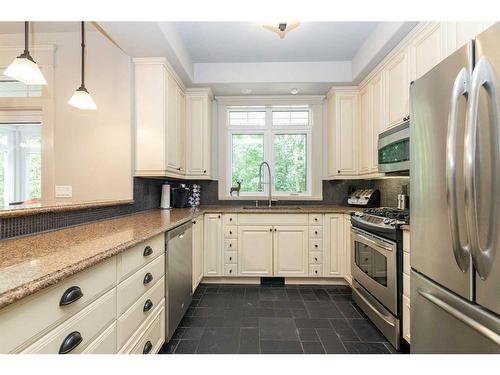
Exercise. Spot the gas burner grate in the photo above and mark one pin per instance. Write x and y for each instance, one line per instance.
(390, 213)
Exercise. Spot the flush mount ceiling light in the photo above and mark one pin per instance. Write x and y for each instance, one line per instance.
(282, 28)
(294, 91)
(24, 69)
(81, 99)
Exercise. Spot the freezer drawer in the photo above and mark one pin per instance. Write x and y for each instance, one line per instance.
(442, 322)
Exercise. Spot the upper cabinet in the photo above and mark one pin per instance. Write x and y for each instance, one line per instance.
(377, 118)
(365, 129)
(172, 123)
(397, 83)
(198, 133)
(427, 49)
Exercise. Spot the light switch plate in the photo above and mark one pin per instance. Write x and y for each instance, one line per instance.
(64, 191)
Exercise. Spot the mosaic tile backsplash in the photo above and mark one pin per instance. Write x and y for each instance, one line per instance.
(147, 194)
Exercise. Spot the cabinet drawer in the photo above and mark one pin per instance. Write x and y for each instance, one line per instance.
(230, 219)
(406, 285)
(315, 244)
(316, 232)
(315, 257)
(151, 334)
(406, 240)
(230, 270)
(29, 318)
(137, 313)
(139, 255)
(231, 257)
(315, 270)
(231, 244)
(86, 325)
(406, 319)
(315, 219)
(231, 231)
(136, 285)
(105, 343)
(406, 263)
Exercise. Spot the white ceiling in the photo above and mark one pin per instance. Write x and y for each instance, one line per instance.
(14, 27)
(234, 42)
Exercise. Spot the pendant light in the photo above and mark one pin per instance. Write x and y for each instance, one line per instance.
(24, 69)
(81, 98)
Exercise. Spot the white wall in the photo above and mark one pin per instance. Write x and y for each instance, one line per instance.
(91, 150)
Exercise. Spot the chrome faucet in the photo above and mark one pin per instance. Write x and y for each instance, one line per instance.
(269, 181)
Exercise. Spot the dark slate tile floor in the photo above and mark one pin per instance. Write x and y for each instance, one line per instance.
(275, 319)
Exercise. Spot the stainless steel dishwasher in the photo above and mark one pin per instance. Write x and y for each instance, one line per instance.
(178, 266)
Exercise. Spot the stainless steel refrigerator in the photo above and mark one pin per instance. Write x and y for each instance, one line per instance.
(455, 202)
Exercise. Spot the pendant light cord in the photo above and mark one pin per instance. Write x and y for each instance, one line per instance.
(83, 54)
(26, 33)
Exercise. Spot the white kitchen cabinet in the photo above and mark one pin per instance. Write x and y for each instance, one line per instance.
(342, 124)
(198, 133)
(290, 250)
(397, 91)
(160, 114)
(333, 245)
(347, 248)
(459, 33)
(255, 250)
(377, 118)
(427, 49)
(212, 245)
(365, 129)
(197, 251)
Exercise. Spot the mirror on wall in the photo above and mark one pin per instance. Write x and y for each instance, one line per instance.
(52, 153)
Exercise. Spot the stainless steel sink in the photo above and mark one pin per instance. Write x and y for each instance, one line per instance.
(272, 208)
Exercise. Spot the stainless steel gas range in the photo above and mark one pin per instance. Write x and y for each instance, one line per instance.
(377, 267)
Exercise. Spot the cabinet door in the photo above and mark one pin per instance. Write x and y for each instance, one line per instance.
(290, 250)
(365, 129)
(346, 108)
(333, 245)
(255, 250)
(181, 130)
(378, 117)
(212, 245)
(197, 251)
(197, 136)
(150, 117)
(172, 140)
(397, 88)
(427, 49)
(347, 248)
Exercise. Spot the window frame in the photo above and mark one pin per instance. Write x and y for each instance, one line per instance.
(269, 131)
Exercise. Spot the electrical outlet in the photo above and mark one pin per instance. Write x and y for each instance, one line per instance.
(64, 191)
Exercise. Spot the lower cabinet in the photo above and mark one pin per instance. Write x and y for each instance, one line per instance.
(212, 245)
(333, 245)
(255, 250)
(290, 250)
(347, 248)
(197, 251)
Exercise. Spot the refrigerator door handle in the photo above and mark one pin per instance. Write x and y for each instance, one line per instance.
(483, 76)
(461, 87)
(464, 318)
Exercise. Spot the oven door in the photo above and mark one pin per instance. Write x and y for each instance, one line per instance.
(373, 265)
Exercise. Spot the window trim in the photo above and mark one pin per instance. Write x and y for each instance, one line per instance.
(269, 131)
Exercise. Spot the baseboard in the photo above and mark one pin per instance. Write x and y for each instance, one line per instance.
(288, 280)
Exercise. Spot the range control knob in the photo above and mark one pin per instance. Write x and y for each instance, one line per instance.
(387, 221)
(393, 222)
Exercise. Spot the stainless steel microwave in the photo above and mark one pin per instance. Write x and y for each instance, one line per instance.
(394, 149)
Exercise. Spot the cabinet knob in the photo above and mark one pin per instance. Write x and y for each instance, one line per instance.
(205, 171)
(338, 171)
(230, 271)
(230, 258)
(316, 259)
(316, 245)
(179, 169)
(147, 251)
(147, 347)
(275, 229)
(194, 221)
(230, 219)
(316, 272)
(71, 295)
(230, 232)
(270, 229)
(218, 216)
(147, 278)
(148, 305)
(315, 232)
(230, 245)
(315, 219)
(70, 342)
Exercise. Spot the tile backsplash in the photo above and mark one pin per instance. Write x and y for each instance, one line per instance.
(147, 194)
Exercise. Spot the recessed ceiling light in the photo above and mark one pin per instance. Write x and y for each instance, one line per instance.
(294, 91)
(246, 91)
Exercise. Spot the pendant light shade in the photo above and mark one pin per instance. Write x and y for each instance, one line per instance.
(81, 99)
(24, 69)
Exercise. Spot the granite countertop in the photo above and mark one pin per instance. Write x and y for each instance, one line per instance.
(31, 263)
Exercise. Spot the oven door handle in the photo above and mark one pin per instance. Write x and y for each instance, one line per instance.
(361, 237)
